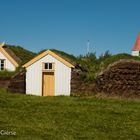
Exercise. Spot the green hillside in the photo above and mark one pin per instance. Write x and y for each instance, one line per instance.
(117, 57)
(90, 62)
(68, 118)
(95, 65)
(24, 54)
(64, 54)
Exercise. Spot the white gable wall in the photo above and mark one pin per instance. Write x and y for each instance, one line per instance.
(62, 76)
(135, 53)
(8, 65)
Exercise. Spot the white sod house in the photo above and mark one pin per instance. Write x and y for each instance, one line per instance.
(8, 60)
(48, 75)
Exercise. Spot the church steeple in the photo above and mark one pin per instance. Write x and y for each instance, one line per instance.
(136, 48)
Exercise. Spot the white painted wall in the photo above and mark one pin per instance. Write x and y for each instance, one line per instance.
(135, 53)
(34, 77)
(8, 65)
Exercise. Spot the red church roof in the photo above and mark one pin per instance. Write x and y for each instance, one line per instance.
(137, 44)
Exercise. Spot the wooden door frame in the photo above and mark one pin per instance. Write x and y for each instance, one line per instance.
(42, 83)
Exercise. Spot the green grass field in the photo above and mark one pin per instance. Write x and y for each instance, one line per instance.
(68, 118)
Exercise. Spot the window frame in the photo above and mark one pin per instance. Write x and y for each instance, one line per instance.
(48, 69)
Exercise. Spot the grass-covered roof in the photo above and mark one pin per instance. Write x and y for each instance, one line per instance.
(92, 64)
(23, 54)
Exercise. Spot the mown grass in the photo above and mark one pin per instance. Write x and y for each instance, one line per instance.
(68, 118)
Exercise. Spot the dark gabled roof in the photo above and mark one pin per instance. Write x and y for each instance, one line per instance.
(20, 54)
(9, 55)
(12, 54)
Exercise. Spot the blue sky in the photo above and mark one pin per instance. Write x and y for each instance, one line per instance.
(67, 24)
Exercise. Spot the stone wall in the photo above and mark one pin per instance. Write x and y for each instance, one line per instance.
(121, 78)
(80, 87)
(4, 82)
(17, 83)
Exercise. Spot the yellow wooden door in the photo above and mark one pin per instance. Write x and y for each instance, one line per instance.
(48, 84)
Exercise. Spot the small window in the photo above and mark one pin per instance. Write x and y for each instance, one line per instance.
(48, 66)
(2, 64)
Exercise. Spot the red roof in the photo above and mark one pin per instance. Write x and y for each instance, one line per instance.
(137, 44)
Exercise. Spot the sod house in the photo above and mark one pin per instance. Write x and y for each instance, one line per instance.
(48, 74)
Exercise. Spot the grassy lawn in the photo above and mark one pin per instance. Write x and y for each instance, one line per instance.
(68, 118)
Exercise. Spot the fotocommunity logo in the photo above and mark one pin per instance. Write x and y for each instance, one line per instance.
(7, 133)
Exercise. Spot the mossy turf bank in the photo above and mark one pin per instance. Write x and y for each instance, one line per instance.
(68, 118)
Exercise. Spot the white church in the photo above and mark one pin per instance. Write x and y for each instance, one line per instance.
(136, 48)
